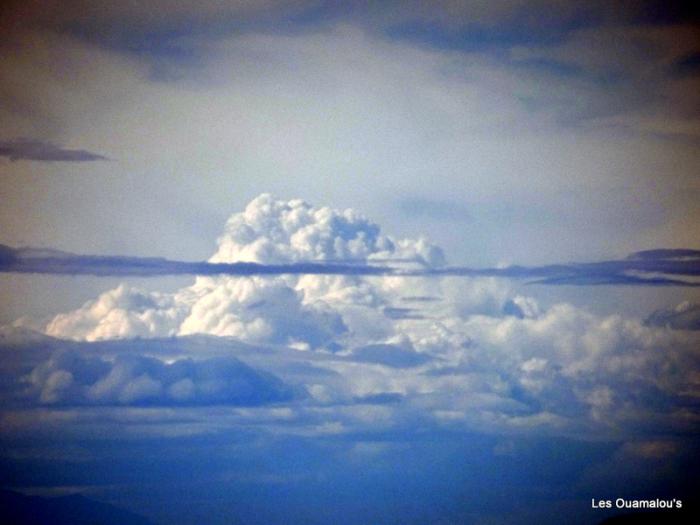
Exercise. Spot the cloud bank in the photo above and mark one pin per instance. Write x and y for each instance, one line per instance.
(476, 354)
(77, 379)
(280, 376)
(446, 397)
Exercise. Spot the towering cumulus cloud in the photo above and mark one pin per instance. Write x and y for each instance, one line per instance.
(309, 311)
(465, 351)
(348, 370)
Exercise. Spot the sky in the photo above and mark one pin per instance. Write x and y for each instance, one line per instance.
(340, 146)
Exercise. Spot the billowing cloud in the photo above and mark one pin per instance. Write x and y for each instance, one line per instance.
(119, 313)
(353, 370)
(275, 231)
(292, 380)
(71, 378)
(446, 396)
(563, 372)
(475, 355)
(305, 309)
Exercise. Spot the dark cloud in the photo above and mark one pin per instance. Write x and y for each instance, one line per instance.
(685, 316)
(688, 65)
(613, 279)
(31, 260)
(668, 254)
(662, 267)
(390, 355)
(472, 26)
(633, 384)
(172, 38)
(29, 149)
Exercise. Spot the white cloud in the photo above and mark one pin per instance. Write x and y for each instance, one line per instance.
(459, 353)
(122, 312)
(307, 310)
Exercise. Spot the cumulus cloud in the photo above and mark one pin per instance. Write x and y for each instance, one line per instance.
(271, 230)
(563, 372)
(119, 313)
(476, 357)
(72, 378)
(259, 310)
(606, 370)
(306, 310)
(455, 352)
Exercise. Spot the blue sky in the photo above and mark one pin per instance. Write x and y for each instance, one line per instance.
(416, 134)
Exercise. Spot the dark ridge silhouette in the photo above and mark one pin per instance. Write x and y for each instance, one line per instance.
(18, 509)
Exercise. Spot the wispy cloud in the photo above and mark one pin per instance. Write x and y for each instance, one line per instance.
(37, 150)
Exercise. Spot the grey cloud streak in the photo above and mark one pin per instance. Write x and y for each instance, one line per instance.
(665, 267)
(30, 149)
(29, 260)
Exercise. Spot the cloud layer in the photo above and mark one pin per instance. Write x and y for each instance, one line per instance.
(648, 268)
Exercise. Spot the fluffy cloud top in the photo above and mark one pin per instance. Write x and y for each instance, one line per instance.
(275, 231)
(119, 313)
